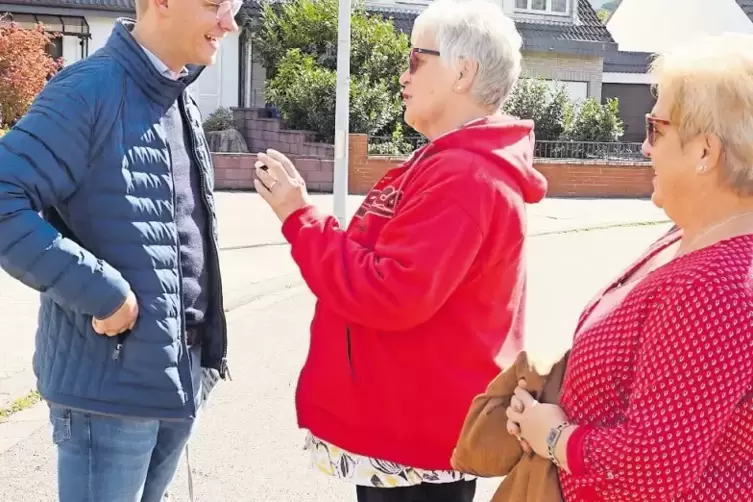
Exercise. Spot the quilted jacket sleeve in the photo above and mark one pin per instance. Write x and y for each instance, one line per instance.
(43, 160)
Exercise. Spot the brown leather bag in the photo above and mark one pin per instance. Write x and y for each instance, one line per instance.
(486, 449)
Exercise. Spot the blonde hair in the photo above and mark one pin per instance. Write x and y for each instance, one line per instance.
(710, 85)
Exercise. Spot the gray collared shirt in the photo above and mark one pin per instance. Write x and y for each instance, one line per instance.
(162, 67)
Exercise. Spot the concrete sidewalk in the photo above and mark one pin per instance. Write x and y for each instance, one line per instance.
(249, 448)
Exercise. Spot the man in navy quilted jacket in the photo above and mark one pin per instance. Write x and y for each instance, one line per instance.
(106, 208)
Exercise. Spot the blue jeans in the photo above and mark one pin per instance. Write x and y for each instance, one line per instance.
(118, 459)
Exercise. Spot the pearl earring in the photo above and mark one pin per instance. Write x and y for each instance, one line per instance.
(701, 169)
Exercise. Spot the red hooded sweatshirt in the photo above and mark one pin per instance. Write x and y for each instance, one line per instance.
(419, 297)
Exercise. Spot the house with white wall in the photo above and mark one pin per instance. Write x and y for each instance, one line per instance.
(83, 26)
(563, 40)
(641, 28)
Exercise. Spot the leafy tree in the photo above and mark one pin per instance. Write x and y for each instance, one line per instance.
(297, 43)
(25, 68)
(607, 9)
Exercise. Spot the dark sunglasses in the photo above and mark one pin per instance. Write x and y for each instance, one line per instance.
(651, 123)
(413, 61)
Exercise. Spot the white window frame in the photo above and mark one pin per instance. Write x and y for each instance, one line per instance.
(547, 11)
(571, 86)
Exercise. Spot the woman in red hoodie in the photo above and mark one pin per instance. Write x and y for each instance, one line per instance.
(421, 296)
(657, 400)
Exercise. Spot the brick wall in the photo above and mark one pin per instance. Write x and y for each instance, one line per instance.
(566, 178)
(597, 179)
(235, 171)
(364, 171)
(563, 67)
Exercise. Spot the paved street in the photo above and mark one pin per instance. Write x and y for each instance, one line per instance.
(248, 447)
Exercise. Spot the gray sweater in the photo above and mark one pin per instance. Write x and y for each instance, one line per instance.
(191, 218)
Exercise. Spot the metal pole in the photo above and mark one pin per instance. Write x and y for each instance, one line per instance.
(342, 104)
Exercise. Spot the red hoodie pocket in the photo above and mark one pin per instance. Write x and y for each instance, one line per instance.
(329, 364)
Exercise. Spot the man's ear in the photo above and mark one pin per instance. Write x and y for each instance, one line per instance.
(162, 5)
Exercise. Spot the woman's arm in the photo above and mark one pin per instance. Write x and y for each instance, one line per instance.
(693, 367)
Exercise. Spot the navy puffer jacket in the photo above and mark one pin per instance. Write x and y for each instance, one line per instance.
(91, 156)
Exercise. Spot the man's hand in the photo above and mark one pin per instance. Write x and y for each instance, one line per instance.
(281, 185)
(122, 320)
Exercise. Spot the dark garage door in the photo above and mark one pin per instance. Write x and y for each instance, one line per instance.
(636, 100)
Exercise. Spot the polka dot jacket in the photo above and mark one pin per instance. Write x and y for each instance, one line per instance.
(662, 384)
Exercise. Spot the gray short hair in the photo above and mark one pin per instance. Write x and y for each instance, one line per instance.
(477, 30)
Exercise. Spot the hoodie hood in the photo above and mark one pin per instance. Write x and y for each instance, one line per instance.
(507, 142)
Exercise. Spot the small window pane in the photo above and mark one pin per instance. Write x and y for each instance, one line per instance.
(538, 4)
(55, 48)
(559, 5)
(521, 4)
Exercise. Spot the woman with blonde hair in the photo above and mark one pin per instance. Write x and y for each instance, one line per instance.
(657, 399)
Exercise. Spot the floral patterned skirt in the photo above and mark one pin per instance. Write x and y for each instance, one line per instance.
(364, 471)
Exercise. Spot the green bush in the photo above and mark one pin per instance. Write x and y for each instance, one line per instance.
(594, 121)
(397, 146)
(305, 94)
(533, 99)
(297, 43)
(557, 118)
(219, 120)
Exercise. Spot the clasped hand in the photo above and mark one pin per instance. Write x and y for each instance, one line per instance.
(530, 421)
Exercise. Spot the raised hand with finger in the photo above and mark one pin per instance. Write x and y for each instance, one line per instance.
(280, 184)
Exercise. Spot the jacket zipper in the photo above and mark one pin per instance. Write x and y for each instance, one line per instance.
(184, 335)
(223, 369)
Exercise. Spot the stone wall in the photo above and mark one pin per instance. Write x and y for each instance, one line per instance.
(262, 131)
